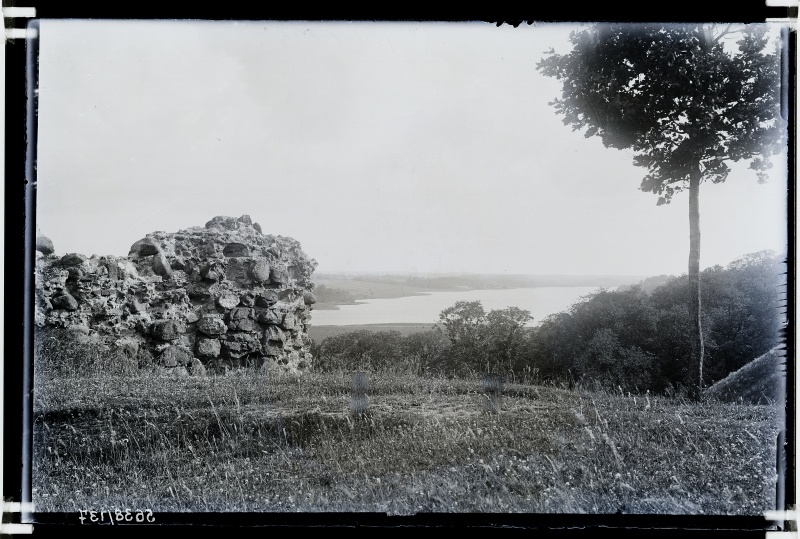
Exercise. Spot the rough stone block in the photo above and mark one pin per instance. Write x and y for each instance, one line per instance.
(174, 356)
(144, 247)
(166, 330)
(212, 325)
(161, 266)
(267, 298)
(208, 347)
(73, 259)
(44, 244)
(236, 250)
(228, 300)
(65, 301)
(259, 271)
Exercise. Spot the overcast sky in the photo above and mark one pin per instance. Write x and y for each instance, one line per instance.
(413, 147)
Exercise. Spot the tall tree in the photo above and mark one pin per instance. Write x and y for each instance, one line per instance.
(686, 100)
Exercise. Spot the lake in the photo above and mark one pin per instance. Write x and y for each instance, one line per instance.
(425, 309)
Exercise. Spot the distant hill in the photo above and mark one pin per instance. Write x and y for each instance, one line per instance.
(761, 381)
(482, 281)
(649, 284)
(334, 289)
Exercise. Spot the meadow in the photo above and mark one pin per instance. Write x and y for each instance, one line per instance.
(262, 441)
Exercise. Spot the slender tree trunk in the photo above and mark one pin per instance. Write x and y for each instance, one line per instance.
(696, 334)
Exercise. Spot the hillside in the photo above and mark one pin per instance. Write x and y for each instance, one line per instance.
(251, 442)
(761, 381)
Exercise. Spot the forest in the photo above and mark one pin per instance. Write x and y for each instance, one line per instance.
(635, 338)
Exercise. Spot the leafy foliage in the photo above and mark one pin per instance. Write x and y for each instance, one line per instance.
(639, 341)
(361, 350)
(679, 96)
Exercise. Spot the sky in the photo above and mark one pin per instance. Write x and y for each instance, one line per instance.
(380, 147)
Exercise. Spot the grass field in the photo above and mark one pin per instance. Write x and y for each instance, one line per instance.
(260, 442)
(318, 333)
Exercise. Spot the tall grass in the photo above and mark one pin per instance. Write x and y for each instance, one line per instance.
(252, 441)
(60, 352)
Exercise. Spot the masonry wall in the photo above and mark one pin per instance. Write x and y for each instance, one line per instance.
(221, 296)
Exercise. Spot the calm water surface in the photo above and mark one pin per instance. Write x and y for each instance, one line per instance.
(541, 302)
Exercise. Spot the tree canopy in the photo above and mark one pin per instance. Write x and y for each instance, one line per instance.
(682, 97)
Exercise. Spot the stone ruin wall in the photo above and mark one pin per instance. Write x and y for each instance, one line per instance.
(220, 296)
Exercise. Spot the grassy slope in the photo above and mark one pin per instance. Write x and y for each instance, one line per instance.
(279, 443)
(761, 381)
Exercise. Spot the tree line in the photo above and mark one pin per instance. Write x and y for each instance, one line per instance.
(633, 338)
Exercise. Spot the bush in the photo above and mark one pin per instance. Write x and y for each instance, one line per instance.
(639, 340)
(362, 350)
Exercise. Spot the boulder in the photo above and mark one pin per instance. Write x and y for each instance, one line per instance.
(279, 275)
(259, 271)
(145, 247)
(166, 330)
(199, 292)
(65, 301)
(309, 298)
(212, 325)
(267, 298)
(75, 274)
(273, 316)
(44, 244)
(239, 345)
(178, 263)
(242, 319)
(161, 266)
(228, 300)
(208, 347)
(119, 270)
(289, 321)
(73, 259)
(236, 272)
(212, 271)
(174, 356)
(236, 250)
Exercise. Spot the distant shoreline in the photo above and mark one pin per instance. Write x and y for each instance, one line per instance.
(334, 306)
(362, 289)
